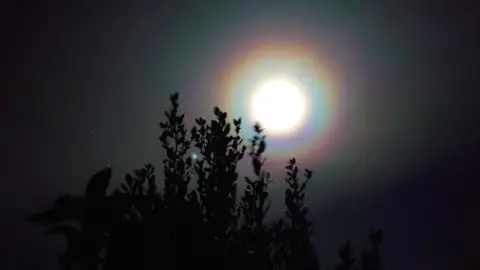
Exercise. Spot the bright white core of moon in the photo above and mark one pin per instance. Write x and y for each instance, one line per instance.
(278, 105)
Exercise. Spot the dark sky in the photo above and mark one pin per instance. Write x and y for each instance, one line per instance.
(408, 161)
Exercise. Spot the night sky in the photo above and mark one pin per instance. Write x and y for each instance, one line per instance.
(85, 86)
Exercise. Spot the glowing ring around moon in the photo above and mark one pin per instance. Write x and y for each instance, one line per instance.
(323, 118)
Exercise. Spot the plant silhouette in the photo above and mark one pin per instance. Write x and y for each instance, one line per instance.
(180, 227)
(370, 257)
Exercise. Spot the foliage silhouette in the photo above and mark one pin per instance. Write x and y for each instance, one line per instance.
(139, 227)
(370, 257)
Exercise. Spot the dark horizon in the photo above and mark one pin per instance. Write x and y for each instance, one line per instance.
(407, 161)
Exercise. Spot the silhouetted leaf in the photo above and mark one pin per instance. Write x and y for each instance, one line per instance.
(257, 128)
(174, 98)
(124, 188)
(261, 147)
(216, 111)
(227, 129)
(256, 166)
(308, 173)
(200, 121)
(129, 179)
(98, 184)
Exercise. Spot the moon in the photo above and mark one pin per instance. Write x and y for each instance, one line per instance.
(279, 105)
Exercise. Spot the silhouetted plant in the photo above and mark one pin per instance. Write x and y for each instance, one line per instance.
(298, 247)
(180, 227)
(370, 257)
(346, 256)
(89, 214)
(255, 238)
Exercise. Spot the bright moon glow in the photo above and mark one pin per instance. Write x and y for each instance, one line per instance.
(278, 105)
(292, 91)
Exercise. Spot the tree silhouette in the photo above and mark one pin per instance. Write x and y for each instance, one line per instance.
(180, 227)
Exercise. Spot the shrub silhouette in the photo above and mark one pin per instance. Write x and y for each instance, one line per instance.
(370, 257)
(139, 227)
